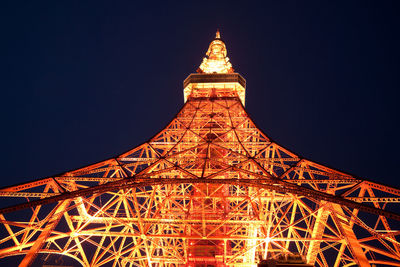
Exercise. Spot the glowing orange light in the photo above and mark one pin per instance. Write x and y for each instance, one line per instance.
(216, 60)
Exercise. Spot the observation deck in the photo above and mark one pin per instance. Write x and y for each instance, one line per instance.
(215, 77)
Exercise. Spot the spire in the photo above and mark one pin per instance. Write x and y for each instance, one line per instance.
(216, 60)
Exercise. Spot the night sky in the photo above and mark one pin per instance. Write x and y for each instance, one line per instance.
(83, 82)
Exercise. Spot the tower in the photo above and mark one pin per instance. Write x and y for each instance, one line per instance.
(211, 189)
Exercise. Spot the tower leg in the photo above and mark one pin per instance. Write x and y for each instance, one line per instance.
(343, 225)
(318, 230)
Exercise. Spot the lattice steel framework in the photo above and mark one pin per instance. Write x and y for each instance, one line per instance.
(210, 189)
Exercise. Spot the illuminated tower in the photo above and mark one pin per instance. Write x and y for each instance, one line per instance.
(211, 189)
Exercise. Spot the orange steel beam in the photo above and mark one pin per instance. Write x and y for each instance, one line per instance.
(271, 185)
(353, 244)
(55, 217)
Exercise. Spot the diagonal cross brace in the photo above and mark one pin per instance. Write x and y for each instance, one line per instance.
(54, 218)
(278, 185)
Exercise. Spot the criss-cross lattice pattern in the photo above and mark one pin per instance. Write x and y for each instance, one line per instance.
(211, 187)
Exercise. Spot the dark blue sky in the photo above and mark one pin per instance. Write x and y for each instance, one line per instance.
(82, 82)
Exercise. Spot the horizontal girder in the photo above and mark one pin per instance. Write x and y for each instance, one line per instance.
(277, 185)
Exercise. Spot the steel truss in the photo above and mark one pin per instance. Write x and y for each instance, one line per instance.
(211, 174)
(212, 188)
